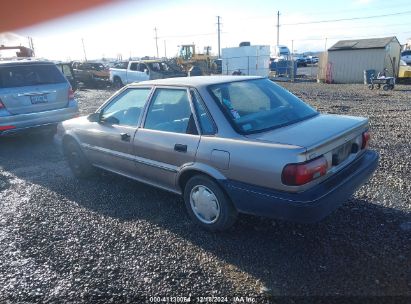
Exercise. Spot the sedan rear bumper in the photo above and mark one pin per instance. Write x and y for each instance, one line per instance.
(305, 207)
(21, 122)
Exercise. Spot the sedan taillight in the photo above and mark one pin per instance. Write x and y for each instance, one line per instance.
(300, 174)
(366, 136)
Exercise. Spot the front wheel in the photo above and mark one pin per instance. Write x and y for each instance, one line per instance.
(208, 205)
(78, 163)
(371, 86)
(386, 87)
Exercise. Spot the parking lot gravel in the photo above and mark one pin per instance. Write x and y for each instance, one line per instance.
(111, 239)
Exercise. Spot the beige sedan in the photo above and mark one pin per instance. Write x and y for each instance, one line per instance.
(228, 145)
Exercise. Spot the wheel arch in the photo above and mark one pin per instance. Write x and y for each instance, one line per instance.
(197, 169)
(68, 136)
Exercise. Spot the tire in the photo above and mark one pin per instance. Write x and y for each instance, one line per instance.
(371, 86)
(378, 86)
(391, 87)
(207, 205)
(118, 84)
(50, 131)
(386, 87)
(77, 161)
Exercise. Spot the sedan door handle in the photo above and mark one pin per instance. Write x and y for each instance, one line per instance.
(125, 136)
(180, 148)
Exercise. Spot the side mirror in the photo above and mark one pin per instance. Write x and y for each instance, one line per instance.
(94, 117)
(146, 71)
(111, 120)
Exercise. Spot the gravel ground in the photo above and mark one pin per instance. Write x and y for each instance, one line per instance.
(113, 239)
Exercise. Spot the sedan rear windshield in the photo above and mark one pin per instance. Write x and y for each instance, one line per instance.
(258, 105)
(30, 74)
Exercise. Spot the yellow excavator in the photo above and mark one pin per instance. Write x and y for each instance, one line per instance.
(197, 64)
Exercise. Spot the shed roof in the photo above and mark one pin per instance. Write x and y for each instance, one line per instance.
(358, 44)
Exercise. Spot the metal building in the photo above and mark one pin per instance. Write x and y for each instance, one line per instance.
(347, 59)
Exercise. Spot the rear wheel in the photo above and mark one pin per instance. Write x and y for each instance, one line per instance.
(386, 87)
(208, 205)
(117, 83)
(78, 163)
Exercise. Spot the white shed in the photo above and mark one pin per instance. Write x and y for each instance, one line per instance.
(347, 59)
(249, 60)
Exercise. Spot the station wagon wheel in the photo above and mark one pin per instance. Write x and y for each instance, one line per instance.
(208, 205)
(78, 163)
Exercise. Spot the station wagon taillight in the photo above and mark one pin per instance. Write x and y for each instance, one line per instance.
(300, 174)
(5, 128)
(366, 136)
(70, 94)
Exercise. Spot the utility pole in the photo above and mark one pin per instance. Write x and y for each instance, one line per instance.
(165, 49)
(156, 38)
(325, 47)
(84, 49)
(31, 45)
(218, 24)
(278, 27)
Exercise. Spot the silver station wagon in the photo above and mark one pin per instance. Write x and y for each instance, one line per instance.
(33, 94)
(228, 145)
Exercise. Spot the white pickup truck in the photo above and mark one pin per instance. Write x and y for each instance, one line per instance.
(136, 71)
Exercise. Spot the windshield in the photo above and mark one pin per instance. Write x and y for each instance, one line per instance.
(97, 66)
(158, 66)
(259, 105)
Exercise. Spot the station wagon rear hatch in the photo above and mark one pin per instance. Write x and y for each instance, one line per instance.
(32, 87)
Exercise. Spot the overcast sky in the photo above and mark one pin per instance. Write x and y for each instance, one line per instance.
(127, 27)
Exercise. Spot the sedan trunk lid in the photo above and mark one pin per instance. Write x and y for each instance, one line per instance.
(319, 134)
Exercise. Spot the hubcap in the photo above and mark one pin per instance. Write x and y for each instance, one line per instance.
(204, 204)
(74, 159)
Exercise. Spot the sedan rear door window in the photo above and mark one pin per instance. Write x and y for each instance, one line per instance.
(170, 111)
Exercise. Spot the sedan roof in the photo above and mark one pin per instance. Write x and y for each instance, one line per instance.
(196, 81)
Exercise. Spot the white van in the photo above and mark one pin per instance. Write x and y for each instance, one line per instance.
(282, 52)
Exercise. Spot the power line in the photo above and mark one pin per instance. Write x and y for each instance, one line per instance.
(348, 19)
(369, 8)
(348, 37)
(187, 35)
